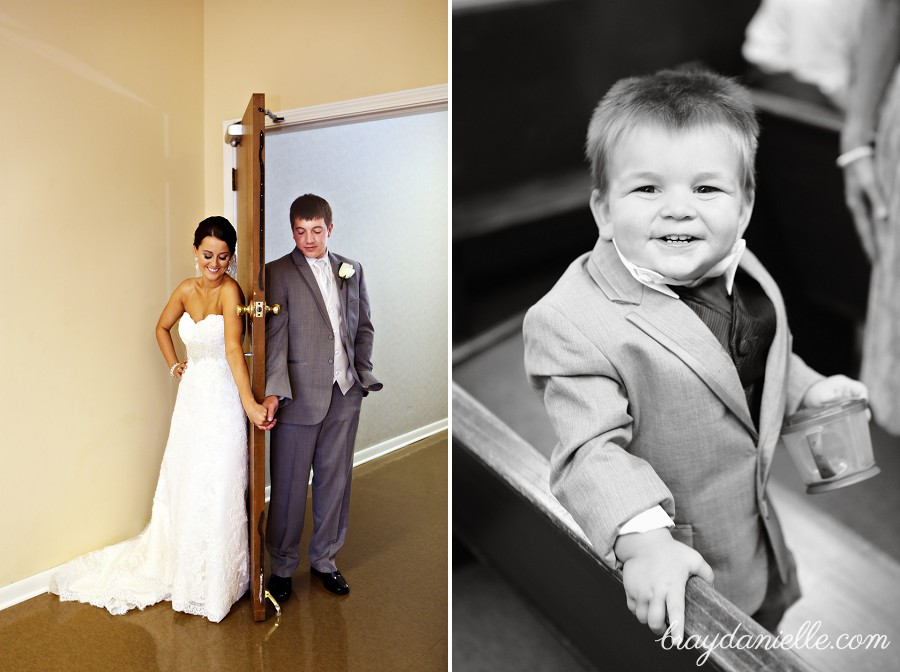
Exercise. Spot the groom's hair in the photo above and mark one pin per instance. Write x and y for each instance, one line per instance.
(310, 206)
(217, 227)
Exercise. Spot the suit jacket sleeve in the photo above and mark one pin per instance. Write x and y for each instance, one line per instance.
(277, 381)
(800, 378)
(363, 343)
(592, 473)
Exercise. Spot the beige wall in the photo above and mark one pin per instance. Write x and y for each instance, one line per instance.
(310, 53)
(111, 153)
(102, 168)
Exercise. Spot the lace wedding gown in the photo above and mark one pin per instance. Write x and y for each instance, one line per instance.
(194, 550)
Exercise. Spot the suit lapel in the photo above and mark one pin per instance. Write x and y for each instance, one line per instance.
(306, 273)
(771, 415)
(343, 295)
(341, 285)
(674, 326)
(677, 328)
(686, 337)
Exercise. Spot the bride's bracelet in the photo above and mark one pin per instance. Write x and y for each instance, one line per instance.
(172, 370)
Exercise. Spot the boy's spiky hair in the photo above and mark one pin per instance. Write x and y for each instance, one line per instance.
(675, 100)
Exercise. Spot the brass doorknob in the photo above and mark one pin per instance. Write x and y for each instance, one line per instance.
(258, 309)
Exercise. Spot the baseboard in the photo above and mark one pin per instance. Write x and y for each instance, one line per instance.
(25, 589)
(389, 446)
(38, 584)
(398, 442)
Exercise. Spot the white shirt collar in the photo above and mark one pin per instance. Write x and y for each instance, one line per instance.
(312, 260)
(727, 267)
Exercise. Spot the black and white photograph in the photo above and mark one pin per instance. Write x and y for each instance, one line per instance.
(676, 335)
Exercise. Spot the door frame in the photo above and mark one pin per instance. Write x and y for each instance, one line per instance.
(397, 103)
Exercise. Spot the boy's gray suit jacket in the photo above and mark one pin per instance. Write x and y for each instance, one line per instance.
(648, 409)
(300, 340)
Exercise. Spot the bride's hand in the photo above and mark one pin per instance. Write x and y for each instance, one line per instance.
(179, 369)
(257, 413)
(866, 202)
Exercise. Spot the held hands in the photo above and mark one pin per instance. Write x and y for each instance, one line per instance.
(270, 405)
(256, 412)
(655, 572)
(866, 202)
(832, 389)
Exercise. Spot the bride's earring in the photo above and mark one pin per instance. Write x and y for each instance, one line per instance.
(232, 266)
(197, 266)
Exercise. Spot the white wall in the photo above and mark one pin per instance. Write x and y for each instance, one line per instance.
(386, 181)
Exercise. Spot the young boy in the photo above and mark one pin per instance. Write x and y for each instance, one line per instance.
(664, 357)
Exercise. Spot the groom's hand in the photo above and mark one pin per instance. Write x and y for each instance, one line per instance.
(270, 403)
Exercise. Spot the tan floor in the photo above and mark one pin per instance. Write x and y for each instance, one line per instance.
(394, 619)
(850, 590)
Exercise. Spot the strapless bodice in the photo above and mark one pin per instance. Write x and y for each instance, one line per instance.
(204, 339)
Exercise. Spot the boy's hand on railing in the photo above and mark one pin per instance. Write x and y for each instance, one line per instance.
(655, 571)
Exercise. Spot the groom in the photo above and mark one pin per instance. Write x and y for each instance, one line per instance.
(318, 369)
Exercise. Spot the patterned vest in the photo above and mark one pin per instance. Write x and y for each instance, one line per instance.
(744, 323)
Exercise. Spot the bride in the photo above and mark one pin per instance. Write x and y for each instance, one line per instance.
(194, 550)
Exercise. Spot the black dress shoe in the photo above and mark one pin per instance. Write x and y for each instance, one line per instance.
(333, 581)
(279, 587)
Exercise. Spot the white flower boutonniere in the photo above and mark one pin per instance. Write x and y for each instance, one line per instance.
(345, 272)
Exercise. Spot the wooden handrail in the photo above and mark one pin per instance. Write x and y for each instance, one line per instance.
(487, 339)
(504, 512)
(472, 6)
(801, 111)
(530, 201)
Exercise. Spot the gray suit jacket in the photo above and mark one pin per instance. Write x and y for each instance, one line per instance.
(648, 409)
(300, 341)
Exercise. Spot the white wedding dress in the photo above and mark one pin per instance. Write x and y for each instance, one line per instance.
(194, 550)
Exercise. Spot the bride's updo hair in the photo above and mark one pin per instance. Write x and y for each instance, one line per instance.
(217, 227)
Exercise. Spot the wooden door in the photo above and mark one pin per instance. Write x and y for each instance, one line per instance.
(249, 182)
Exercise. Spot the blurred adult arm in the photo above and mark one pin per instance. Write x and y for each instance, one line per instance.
(876, 58)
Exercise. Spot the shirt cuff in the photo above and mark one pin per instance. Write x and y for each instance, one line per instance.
(651, 519)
